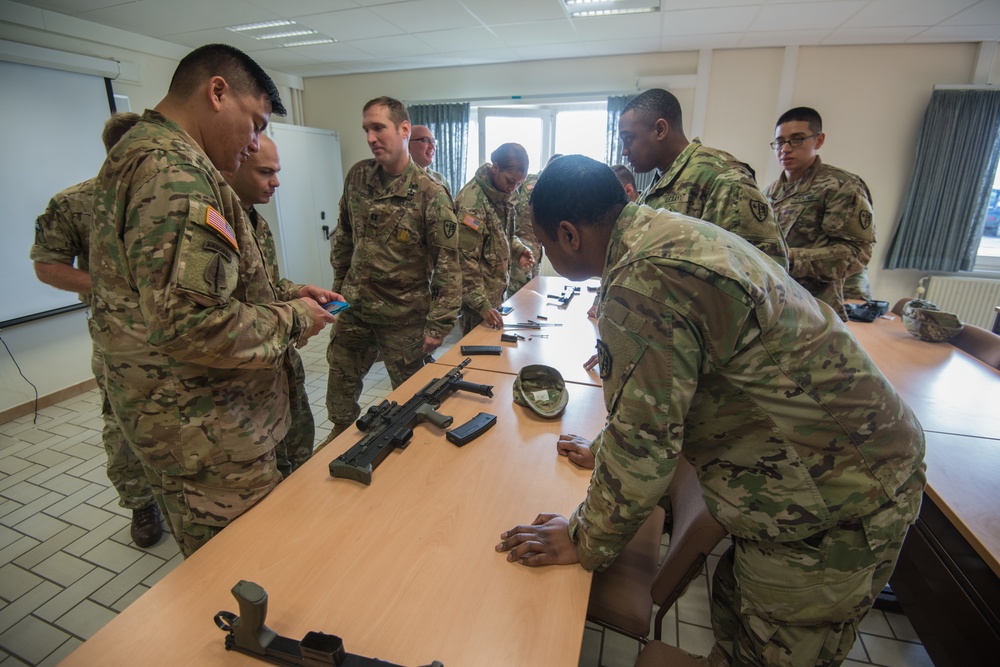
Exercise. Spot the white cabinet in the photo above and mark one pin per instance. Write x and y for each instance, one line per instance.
(304, 208)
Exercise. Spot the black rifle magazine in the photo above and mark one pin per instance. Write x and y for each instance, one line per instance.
(481, 349)
(472, 429)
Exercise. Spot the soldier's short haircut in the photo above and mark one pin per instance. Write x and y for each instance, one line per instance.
(803, 114)
(116, 127)
(397, 110)
(578, 189)
(657, 103)
(238, 69)
(624, 174)
(510, 156)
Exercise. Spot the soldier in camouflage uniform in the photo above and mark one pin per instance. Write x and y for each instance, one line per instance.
(702, 182)
(192, 331)
(487, 245)
(523, 231)
(804, 451)
(422, 147)
(62, 235)
(395, 258)
(254, 183)
(825, 213)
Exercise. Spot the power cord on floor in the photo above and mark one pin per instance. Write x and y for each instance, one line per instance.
(16, 365)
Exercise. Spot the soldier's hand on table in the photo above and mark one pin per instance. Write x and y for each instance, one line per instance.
(576, 449)
(589, 364)
(592, 312)
(545, 542)
(493, 319)
(319, 294)
(527, 260)
(431, 344)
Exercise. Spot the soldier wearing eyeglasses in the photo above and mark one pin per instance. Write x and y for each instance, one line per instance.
(423, 146)
(824, 212)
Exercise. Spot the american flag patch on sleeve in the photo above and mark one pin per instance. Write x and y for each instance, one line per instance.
(471, 222)
(216, 221)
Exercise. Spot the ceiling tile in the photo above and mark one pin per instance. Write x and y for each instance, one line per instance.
(157, 19)
(282, 59)
(397, 46)
(728, 40)
(961, 33)
(888, 13)
(707, 21)
(294, 8)
(551, 51)
(349, 25)
(501, 55)
(630, 26)
(671, 5)
(542, 32)
(426, 15)
(983, 13)
(764, 38)
(796, 15)
(870, 35)
(74, 7)
(198, 38)
(336, 52)
(611, 47)
(492, 12)
(465, 39)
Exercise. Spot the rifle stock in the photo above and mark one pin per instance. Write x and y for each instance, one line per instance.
(389, 425)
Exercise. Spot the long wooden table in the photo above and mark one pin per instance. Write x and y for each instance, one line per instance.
(568, 341)
(405, 569)
(948, 574)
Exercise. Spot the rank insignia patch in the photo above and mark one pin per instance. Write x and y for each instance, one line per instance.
(403, 235)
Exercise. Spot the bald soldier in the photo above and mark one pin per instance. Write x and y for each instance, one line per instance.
(192, 330)
(423, 147)
(711, 351)
(255, 182)
(695, 180)
(62, 236)
(486, 242)
(825, 213)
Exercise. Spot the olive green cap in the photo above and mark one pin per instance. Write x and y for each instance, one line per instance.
(927, 322)
(542, 389)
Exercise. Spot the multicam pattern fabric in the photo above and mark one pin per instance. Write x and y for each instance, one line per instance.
(62, 235)
(717, 355)
(712, 185)
(525, 231)
(486, 245)
(395, 251)
(439, 177)
(826, 218)
(191, 328)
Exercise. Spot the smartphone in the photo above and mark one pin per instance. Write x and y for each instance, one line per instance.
(335, 307)
(506, 310)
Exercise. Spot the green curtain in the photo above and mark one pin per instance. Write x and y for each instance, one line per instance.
(450, 125)
(945, 207)
(614, 155)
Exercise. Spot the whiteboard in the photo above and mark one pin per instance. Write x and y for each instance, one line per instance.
(50, 130)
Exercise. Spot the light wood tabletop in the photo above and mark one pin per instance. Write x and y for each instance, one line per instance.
(949, 390)
(567, 339)
(403, 570)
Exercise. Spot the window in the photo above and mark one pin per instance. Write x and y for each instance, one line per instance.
(543, 130)
(988, 255)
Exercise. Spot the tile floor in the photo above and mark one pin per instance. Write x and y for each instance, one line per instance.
(67, 564)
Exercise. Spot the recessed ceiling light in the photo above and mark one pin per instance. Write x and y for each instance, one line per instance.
(585, 8)
(310, 42)
(286, 33)
(260, 26)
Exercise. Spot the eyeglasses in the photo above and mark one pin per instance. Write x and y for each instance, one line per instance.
(794, 142)
(426, 140)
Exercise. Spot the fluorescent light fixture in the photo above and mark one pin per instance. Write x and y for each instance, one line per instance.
(311, 42)
(286, 33)
(260, 26)
(585, 8)
(614, 12)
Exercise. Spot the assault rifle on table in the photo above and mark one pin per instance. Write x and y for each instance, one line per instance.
(389, 425)
(248, 634)
(567, 295)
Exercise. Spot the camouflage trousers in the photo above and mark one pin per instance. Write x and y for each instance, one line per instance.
(197, 507)
(297, 446)
(124, 467)
(354, 346)
(793, 604)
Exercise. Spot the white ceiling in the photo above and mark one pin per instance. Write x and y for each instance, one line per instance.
(382, 35)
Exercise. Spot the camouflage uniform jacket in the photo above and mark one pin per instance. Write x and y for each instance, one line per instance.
(285, 288)
(826, 217)
(62, 232)
(524, 230)
(713, 185)
(185, 313)
(439, 177)
(710, 351)
(485, 228)
(395, 251)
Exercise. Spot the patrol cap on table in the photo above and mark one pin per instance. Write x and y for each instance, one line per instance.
(542, 389)
(927, 322)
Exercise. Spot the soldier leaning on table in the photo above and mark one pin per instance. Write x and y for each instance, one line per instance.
(185, 314)
(804, 451)
(62, 235)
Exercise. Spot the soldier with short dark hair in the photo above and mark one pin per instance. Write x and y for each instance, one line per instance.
(487, 243)
(695, 180)
(190, 326)
(395, 258)
(709, 350)
(825, 213)
(62, 236)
